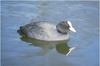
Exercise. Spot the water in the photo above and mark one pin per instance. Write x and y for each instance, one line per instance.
(22, 51)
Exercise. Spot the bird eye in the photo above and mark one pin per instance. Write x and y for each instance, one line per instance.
(66, 25)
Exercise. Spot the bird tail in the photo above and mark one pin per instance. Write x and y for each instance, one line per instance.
(22, 31)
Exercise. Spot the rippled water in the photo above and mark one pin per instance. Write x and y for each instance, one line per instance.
(22, 51)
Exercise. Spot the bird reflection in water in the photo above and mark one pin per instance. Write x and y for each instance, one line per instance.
(60, 46)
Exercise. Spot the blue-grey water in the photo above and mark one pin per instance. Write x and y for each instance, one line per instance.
(21, 51)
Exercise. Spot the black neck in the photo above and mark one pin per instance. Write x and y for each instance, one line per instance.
(62, 32)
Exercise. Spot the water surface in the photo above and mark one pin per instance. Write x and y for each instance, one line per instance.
(22, 51)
